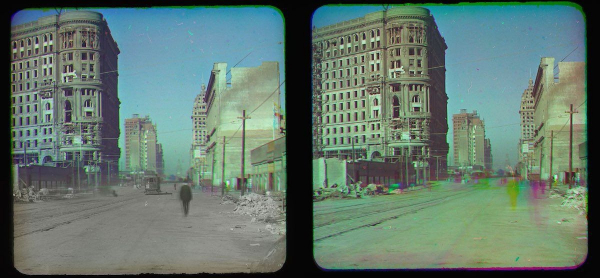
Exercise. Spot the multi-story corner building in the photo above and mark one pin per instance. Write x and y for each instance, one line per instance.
(142, 150)
(65, 103)
(379, 88)
(198, 148)
(253, 90)
(556, 99)
(471, 148)
(527, 127)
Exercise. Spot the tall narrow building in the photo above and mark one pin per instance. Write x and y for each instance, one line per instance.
(65, 102)
(379, 89)
(527, 130)
(198, 148)
(471, 148)
(142, 150)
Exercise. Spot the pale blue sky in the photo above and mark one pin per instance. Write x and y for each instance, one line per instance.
(168, 53)
(493, 50)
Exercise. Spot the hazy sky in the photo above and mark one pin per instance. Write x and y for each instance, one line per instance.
(168, 53)
(493, 51)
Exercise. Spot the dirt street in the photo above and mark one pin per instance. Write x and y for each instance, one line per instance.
(484, 226)
(136, 233)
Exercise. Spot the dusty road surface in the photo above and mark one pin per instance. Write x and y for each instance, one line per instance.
(485, 226)
(136, 233)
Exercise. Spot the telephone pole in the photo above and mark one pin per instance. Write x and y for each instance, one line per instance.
(551, 148)
(571, 144)
(223, 170)
(243, 117)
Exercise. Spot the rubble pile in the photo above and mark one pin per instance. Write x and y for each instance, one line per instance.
(576, 198)
(258, 206)
(228, 199)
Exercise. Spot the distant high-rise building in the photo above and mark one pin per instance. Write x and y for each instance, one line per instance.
(379, 89)
(142, 151)
(527, 129)
(65, 102)
(198, 148)
(470, 145)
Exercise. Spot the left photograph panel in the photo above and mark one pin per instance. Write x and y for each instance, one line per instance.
(148, 140)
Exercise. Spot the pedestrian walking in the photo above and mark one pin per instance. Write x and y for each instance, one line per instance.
(185, 194)
(175, 186)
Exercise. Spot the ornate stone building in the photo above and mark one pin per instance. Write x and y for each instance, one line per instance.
(64, 93)
(198, 148)
(379, 89)
(527, 128)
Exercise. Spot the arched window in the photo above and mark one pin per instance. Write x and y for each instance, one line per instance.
(87, 103)
(375, 102)
(364, 36)
(355, 37)
(45, 38)
(378, 32)
(22, 43)
(341, 40)
(15, 45)
(28, 42)
(37, 40)
(48, 106)
(416, 98)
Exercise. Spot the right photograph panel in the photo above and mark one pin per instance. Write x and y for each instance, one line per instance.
(449, 136)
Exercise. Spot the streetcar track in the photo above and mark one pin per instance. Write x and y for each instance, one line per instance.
(86, 214)
(397, 212)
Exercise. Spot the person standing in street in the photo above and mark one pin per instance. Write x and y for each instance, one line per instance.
(185, 194)
(175, 186)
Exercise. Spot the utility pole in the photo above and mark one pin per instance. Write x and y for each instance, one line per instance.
(212, 173)
(551, 147)
(243, 148)
(571, 145)
(223, 170)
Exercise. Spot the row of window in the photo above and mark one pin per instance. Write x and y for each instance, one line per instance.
(33, 63)
(29, 143)
(28, 109)
(31, 74)
(348, 129)
(32, 49)
(27, 133)
(375, 56)
(343, 140)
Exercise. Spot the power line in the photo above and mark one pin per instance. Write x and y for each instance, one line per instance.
(267, 98)
(506, 55)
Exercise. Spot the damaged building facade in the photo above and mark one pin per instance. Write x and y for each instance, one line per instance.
(252, 91)
(559, 102)
(64, 87)
(379, 90)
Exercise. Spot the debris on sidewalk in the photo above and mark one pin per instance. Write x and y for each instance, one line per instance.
(228, 199)
(576, 198)
(257, 206)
